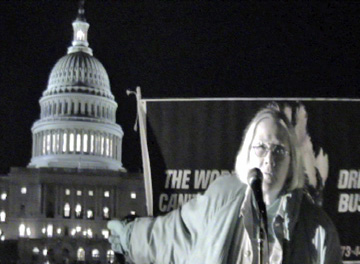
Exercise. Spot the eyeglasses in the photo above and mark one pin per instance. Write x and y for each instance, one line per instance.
(278, 151)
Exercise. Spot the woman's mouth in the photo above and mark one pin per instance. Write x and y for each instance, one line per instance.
(268, 177)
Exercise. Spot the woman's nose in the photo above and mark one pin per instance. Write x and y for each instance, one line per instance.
(269, 159)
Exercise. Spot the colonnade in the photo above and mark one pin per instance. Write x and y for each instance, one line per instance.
(67, 106)
(70, 141)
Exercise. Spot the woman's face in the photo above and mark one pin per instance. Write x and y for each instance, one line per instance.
(270, 152)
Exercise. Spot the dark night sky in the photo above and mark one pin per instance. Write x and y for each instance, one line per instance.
(176, 49)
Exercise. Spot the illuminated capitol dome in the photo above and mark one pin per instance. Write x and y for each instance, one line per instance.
(77, 127)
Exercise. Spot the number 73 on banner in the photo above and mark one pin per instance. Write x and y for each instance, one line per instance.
(348, 251)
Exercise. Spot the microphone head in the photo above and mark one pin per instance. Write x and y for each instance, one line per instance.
(254, 174)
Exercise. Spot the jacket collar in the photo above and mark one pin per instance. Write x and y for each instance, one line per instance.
(288, 211)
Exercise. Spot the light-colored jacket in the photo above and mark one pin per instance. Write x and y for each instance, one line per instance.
(202, 230)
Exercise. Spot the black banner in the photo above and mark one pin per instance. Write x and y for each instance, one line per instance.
(192, 142)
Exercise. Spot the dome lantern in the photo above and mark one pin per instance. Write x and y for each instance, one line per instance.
(80, 27)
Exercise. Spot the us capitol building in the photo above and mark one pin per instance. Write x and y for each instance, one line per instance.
(56, 209)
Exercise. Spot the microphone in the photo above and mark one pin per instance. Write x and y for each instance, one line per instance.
(255, 178)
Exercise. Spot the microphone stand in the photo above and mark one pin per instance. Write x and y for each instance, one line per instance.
(255, 182)
(262, 231)
(261, 236)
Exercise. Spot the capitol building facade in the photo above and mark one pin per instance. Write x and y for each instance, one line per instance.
(55, 210)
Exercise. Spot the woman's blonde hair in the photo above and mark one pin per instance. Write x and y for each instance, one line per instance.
(296, 177)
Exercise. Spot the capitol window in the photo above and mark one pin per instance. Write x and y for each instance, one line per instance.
(110, 256)
(36, 250)
(102, 145)
(72, 142)
(95, 253)
(107, 194)
(89, 233)
(67, 192)
(21, 230)
(78, 192)
(3, 196)
(48, 145)
(23, 190)
(78, 142)
(97, 144)
(67, 210)
(90, 214)
(28, 231)
(44, 145)
(78, 211)
(50, 230)
(81, 254)
(80, 35)
(92, 144)
(133, 195)
(2, 216)
(73, 232)
(85, 146)
(106, 212)
(111, 148)
(64, 146)
(91, 193)
(105, 233)
(107, 147)
(55, 141)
